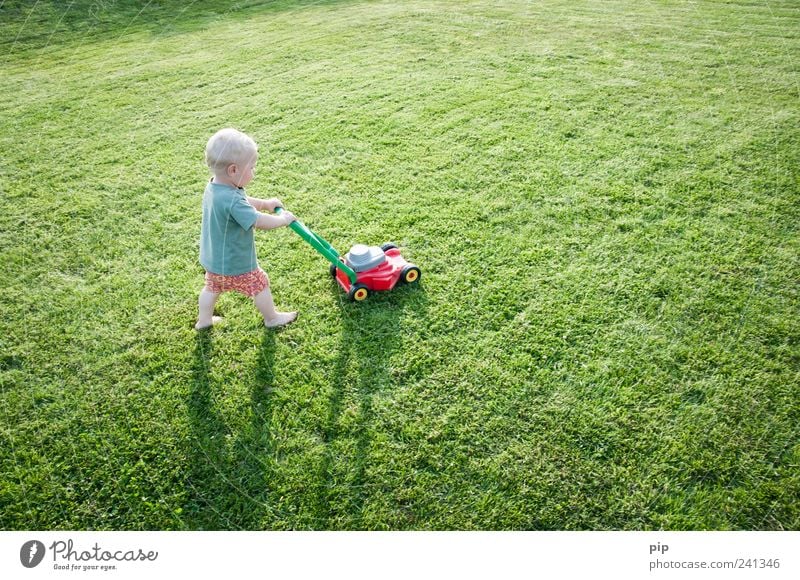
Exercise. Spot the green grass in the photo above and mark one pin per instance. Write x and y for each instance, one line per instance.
(603, 199)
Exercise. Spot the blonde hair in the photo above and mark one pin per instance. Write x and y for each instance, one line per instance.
(228, 146)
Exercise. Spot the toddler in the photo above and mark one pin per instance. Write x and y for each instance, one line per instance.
(227, 243)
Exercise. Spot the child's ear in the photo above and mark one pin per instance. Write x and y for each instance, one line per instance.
(231, 170)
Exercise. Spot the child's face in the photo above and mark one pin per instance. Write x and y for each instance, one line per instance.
(244, 172)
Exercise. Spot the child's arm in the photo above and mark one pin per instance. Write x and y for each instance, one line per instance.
(270, 222)
(265, 204)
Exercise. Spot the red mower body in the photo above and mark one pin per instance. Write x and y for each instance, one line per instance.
(385, 276)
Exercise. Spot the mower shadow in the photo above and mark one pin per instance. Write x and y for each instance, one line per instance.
(227, 483)
(372, 336)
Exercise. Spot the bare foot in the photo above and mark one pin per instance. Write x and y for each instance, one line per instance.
(280, 319)
(214, 320)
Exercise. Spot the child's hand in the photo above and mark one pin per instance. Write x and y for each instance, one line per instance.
(273, 203)
(288, 216)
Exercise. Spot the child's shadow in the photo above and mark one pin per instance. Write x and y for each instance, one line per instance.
(227, 483)
(372, 336)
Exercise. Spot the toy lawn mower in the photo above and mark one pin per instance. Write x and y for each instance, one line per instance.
(364, 269)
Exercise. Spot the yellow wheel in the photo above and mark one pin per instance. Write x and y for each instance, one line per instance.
(358, 293)
(410, 274)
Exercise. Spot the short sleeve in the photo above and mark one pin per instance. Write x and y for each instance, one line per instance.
(244, 213)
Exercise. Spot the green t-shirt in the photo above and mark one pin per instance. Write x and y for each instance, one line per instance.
(227, 244)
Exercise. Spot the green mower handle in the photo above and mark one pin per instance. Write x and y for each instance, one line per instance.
(320, 245)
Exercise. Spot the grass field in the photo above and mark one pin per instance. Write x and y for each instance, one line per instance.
(603, 199)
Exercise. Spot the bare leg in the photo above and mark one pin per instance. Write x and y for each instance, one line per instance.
(206, 302)
(266, 306)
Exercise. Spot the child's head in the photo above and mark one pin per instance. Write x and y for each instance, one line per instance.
(231, 156)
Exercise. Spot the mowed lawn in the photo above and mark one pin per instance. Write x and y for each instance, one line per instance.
(602, 197)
